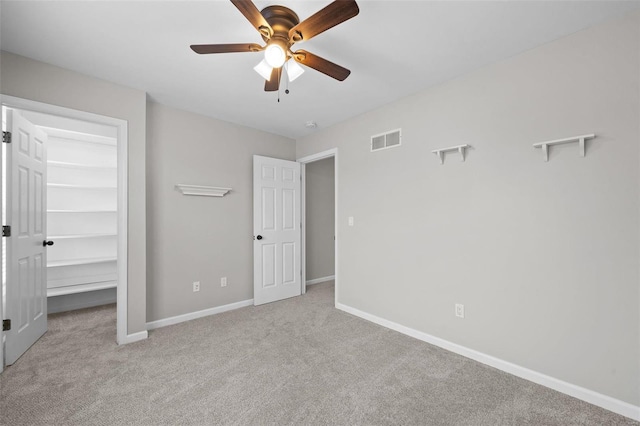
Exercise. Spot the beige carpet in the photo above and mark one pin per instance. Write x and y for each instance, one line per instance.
(298, 362)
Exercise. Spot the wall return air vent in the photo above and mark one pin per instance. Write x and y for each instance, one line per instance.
(386, 140)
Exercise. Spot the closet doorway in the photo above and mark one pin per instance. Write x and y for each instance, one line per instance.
(319, 202)
(85, 216)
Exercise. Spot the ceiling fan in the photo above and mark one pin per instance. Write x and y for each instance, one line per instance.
(280, 28)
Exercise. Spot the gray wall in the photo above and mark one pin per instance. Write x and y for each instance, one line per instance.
(29, 79)
(200, 238)
(544, 256)
(320, 219)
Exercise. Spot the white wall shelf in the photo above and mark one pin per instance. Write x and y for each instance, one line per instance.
(460, 148)
(78, 137)
(80, 288)
(75, 262)
(205, 191)
(580, 139)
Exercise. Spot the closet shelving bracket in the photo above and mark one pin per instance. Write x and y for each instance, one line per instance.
(201, 190)
(580, 139)
(460, 148)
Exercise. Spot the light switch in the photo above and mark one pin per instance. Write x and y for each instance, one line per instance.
(350, 220)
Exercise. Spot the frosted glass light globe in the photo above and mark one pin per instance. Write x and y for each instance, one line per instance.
(264, 70)
(293, 69)
(274, 55)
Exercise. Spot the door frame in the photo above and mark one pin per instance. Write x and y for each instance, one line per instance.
(333, 152)
(122, 195)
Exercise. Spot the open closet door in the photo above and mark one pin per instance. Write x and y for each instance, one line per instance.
(26, 247)
(276, 229)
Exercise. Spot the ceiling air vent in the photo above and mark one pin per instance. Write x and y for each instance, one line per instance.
(386, 140)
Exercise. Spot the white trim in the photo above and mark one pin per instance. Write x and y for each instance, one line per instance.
(303, 228)
(198, 314)
(1, 256)
(122, 303)
(592, 397)
(135, 337)
(333, 152)
(123, 191)
(321, 280)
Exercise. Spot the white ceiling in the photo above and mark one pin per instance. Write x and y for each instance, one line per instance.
(393, 48)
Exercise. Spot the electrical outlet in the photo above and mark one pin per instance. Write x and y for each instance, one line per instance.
(196, 286)
(459, 310)
(223, 282)
(350, 220)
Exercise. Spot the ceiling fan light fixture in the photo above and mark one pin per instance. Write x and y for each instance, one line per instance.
(275, 55)
(264, 69)
(294, 70)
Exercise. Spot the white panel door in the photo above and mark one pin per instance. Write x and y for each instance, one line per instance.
(26, 254)
(276, 229)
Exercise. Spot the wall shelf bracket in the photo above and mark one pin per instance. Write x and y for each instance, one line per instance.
(460, 148)
(580, 139)
(204, 191)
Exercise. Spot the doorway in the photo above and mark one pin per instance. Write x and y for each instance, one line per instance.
(89, 155)
(319, 218)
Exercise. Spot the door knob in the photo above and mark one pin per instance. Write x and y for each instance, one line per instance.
(47, 243)
(259, 237)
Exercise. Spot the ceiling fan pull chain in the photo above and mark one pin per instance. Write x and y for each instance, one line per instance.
(286, 90)
(279, 75)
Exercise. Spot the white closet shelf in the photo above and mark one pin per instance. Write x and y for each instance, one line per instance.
(67, 186)
(79, 236)
(78, 165)
(86, 261)
(206, 191)
(460, 148)
(81, 288)
(580, 139)
(78, 137)
(82, 211)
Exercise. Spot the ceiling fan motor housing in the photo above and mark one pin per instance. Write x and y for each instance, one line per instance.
(281, 19)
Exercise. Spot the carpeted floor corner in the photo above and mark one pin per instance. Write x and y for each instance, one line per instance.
(294, 362)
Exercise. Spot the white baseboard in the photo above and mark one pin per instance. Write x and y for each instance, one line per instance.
(321, 280)
(198, 314)
(135, 337)
(592, 397)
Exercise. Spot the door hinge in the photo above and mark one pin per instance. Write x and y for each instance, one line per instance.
(6, 230)
(6, 325)
(6, 137)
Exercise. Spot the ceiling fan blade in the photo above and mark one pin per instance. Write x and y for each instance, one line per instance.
(273, 83)
(321, 64)
(225, 48)
(251, 12)
(332, 15)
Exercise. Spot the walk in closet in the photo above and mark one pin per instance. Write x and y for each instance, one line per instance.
(81, 212)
